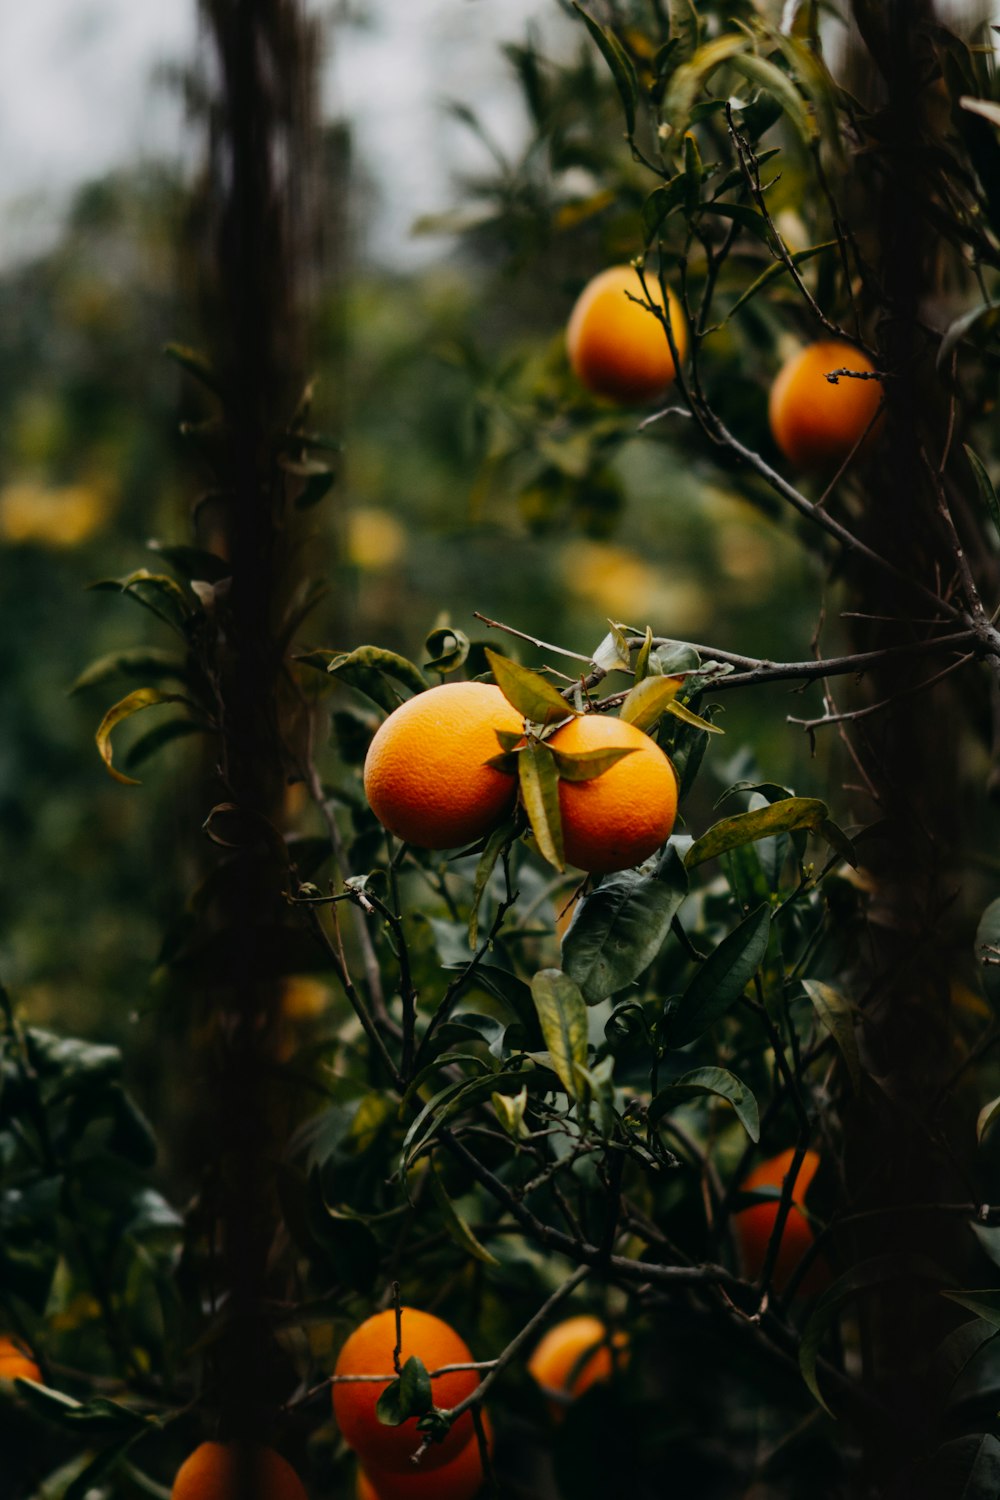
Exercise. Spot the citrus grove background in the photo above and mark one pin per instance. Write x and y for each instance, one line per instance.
(269, 1075)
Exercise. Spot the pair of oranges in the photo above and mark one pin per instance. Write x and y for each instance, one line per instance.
(619, 349)
(428, 780)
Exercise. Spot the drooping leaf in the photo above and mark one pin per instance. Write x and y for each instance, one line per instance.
(721, 980)
(693, 720)
(510, 1112)
(539, 785)
(984, 485)
(693, 74)
(778, 268)
(710, 1081)
(390, 663)
(455, 1224)
(562, 1014)
(835, 1013)
(157, 592)
(618, 60)
(967, 1468)
(585, 765)
(193, 562)
(133, 703)
(766, 75)
(527, 691)
(743, 828)
(146, 663)
(985, 1304)
(447, 649)
(484, 869)
(619, 928)
(958, 1349)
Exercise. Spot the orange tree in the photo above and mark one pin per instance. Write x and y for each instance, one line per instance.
(736, 1111)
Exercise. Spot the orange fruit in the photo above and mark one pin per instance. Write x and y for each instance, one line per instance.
(617, 819)
(16, 1362)
(368, 1351)
(461, 1479)
(425, 774)
(575, 1354)
(215, 1470)
(753, 1226)
(815, 423)
(618, 348)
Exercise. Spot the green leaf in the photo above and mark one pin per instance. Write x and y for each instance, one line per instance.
(484, 869)
(134, 703)
(195, 363)
(562, 1014)
(766, 75)
(987, 947)
(709, 1081)
(984, 484)
(539, 784)
(685, 28)
(100, 1466)
(692, 75)
(985, 1304)
(142, 662)
(530, 693)
(835, 1013)
(585, 765)
(156, 592)
(619, 928)
(660, 204)
(618, 60)
(447, 649)
(778, 268)
(374, 658)
(455, 1224)
(193, 562)
(409, 1395)
(695, 721)
(648, 700)
(986, 1116)
(643, 668)
(957, 1350)
(744, 828)
(99, 1415)
(742, 214)
(967, 1468)
(721, 979)
(164, 734)
(984, 318)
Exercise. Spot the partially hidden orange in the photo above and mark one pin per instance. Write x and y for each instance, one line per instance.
(369, 1351)
(16, 1362)
(618, 348)
(619, 818)
(220, 1471)
(426, 776)
(576, 1354)
(461, 1479)
(754, 1226)
(814, 422)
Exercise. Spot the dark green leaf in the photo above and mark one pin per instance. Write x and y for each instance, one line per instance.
(99, 1467)
(709, 1081)
(618, 60)
(143, 662)
(562, 1015)
(778, 268)
(967, 1468)
(985, 1304)
(155, 592)
(374, 658)
(721, 979)
(484, 869)
(164, 734)
(800, 112)
(454, 1223)
(409, 1395)
(447, 649)
(984, 485)
(619, 928)
(193, 562)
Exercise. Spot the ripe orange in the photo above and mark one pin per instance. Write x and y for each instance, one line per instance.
(617, 819)
(461, 1479)
(561, 1361)
(215, 1470)
(618, 348)
(816, 424)
(753, 1226)
(16, 1362)
(425, 773)
(368, 1351)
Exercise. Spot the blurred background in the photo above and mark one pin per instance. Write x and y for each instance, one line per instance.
(462, 213)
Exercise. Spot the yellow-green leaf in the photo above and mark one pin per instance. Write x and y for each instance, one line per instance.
(834, 1011)
(745, 828)
(649, 699)
(133, 703)
(584, 765)
(686, 716)
(510, 1112)
(539, 783)
(562, 1015)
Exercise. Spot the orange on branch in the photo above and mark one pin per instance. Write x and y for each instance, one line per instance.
(16, 1362)
(576, 1354)
(369, 1351)
(814, 422)
(618, 348)
(617, 819)
(426, 776)
(753, 1226)
(220, 1471)
(461, 1479)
